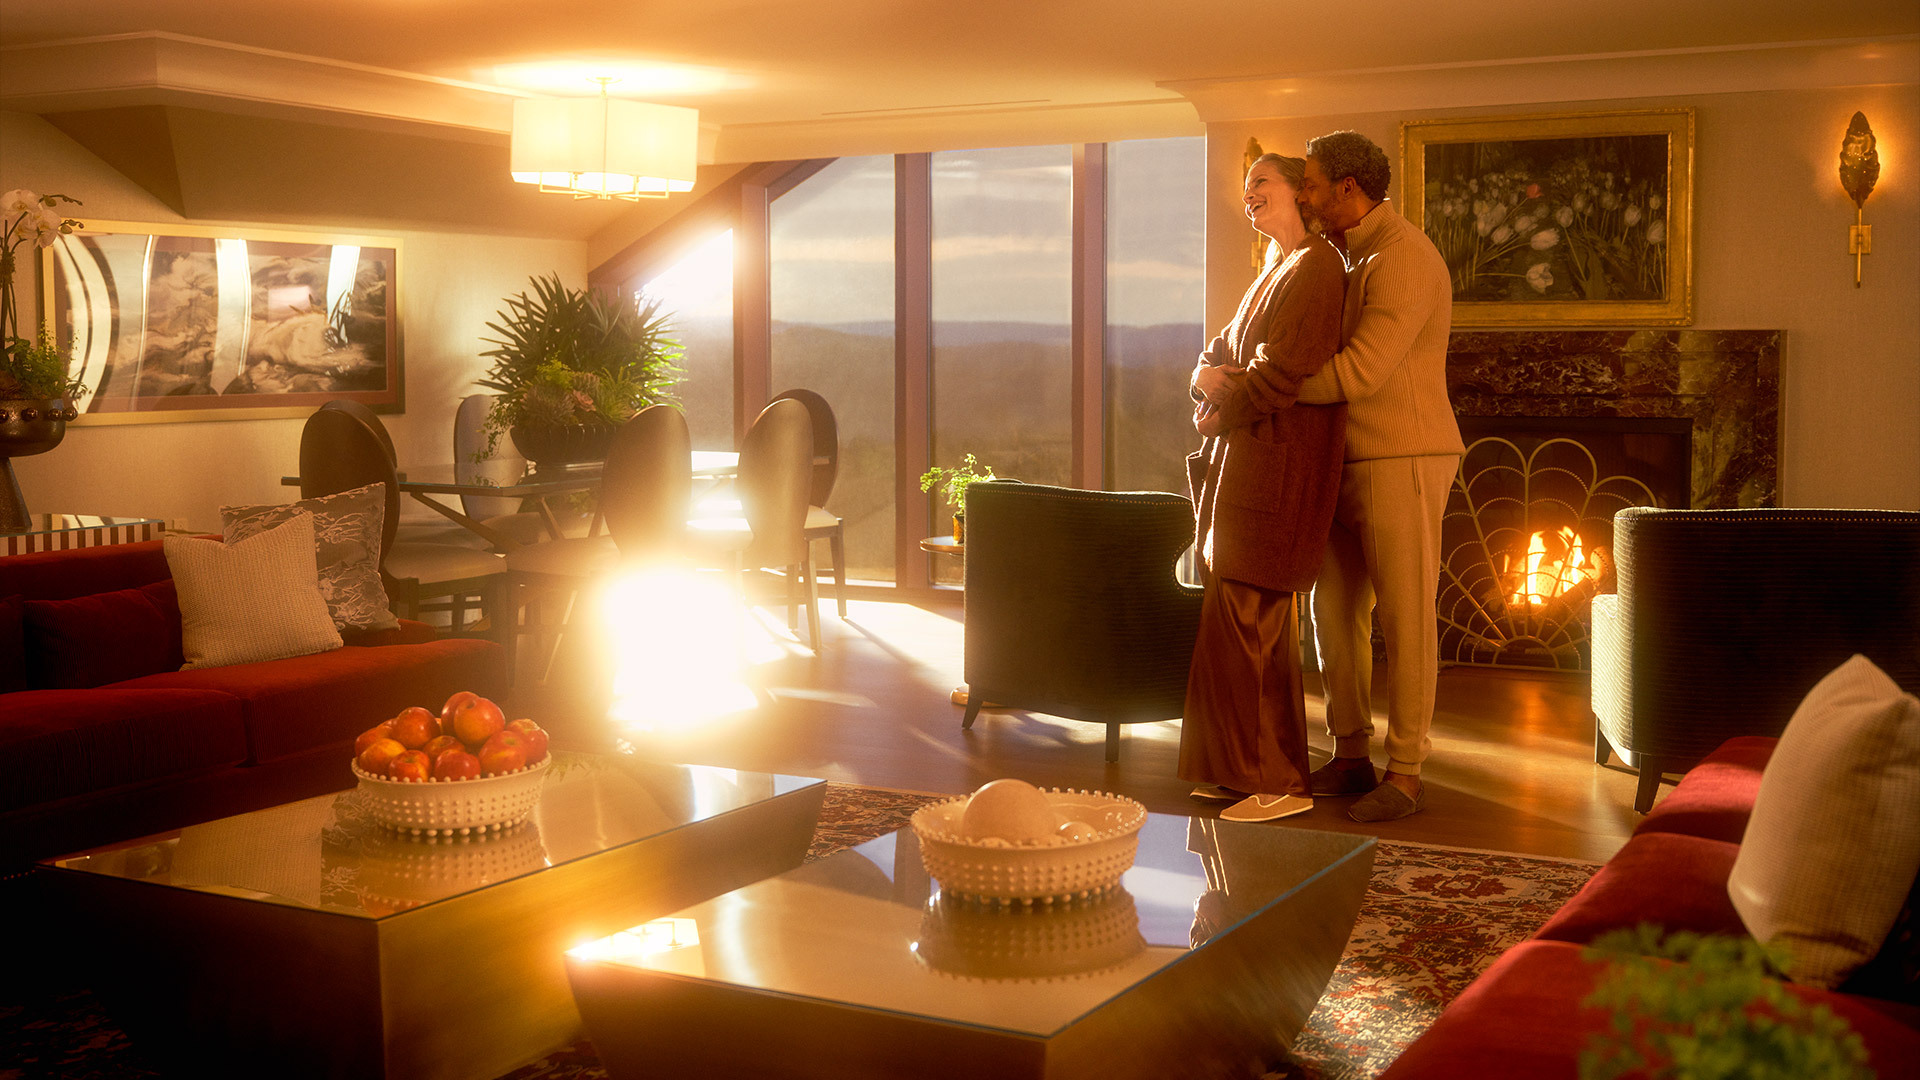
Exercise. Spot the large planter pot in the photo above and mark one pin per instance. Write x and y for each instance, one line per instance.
(561, 446)
(28, 426)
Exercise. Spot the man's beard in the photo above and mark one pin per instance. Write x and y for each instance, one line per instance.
(1312, 219)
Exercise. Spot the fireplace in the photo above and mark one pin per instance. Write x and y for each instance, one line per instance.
(1528, 533)
(1564, 428)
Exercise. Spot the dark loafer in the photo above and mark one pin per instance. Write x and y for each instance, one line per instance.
(1344, 776)
(1388, 803)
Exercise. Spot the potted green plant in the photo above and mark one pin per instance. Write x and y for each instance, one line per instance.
(570, 366)
(37, 390)
(1717, 1011)
(954, 483)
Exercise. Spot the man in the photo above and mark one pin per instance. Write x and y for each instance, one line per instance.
(1403, 448)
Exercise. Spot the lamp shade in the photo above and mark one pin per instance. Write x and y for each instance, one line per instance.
(604, 146)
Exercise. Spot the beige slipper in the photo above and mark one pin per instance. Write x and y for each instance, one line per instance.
(1266, 808)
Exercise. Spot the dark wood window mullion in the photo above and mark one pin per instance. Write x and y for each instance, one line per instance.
(913, 364)
(1089, 314)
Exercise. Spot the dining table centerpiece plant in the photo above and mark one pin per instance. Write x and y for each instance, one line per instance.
(571, 365)
(953, 483)
(37, 389)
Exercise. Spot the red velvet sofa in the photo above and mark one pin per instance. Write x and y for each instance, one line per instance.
(1522, 1017)
(103, 738)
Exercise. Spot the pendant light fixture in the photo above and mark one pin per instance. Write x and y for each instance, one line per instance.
(605, 147)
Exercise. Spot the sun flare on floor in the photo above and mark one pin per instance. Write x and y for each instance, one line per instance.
(677, 649)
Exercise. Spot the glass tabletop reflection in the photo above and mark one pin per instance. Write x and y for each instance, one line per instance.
(326, 854)
(868, 928)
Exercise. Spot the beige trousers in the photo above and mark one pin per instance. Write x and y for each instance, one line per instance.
(1384, 549)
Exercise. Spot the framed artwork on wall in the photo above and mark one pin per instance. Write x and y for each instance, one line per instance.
(1582, 219)
(188, 322)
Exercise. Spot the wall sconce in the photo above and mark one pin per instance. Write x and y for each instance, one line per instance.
(1859, 169)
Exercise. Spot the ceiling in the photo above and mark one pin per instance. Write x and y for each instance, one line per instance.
(166, 89)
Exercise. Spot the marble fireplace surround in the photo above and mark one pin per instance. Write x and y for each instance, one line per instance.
(1727, 382)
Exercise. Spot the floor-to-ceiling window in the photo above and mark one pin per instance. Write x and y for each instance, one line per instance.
(830, 251)
(1002, 230)
(1155, 292)
(697, 293)
(985, 245)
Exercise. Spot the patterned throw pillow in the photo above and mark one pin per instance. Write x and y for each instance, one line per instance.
(346, 530)
(254, 599)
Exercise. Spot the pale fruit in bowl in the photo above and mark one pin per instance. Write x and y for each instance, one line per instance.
(1010, 810)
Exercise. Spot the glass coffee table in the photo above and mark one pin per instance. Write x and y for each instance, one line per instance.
(1206, 961)
(308, 940)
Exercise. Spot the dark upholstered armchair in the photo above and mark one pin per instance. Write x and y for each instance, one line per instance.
(1724, 619)
(1072, 605)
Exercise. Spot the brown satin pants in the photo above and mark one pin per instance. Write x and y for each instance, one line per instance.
(1246, 716)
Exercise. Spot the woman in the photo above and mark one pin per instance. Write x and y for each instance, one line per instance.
(1264, 483)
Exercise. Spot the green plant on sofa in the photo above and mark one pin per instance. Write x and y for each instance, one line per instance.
(1719, 1011)
(576, 359)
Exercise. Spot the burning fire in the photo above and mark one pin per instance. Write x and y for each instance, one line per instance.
(1544, 579)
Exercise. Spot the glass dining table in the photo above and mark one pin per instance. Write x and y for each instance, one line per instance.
(432, 484)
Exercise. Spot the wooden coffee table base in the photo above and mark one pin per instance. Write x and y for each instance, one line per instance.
(461, 988)
(828, 971)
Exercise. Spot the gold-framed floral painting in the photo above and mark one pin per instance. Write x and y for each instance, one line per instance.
(1580, 219)
(188, 322)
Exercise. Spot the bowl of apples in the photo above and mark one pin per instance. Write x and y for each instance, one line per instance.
(465, 771)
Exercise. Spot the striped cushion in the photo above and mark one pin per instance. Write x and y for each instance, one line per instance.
(256, 599)
(1833, 845)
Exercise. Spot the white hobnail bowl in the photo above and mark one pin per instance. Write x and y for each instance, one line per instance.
(1037, 871)
(453, 807)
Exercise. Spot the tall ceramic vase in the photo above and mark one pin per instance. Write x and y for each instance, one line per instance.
(28, 426)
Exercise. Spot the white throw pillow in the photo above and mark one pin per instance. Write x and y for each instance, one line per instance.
(1834, 841)
(254, 599)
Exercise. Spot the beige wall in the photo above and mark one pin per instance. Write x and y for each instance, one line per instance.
(451, 285)
(1770, 230)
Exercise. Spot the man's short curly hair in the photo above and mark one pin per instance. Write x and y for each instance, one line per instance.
(1348, 153)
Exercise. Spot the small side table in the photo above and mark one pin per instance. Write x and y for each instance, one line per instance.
(58, 532)
(947, 545)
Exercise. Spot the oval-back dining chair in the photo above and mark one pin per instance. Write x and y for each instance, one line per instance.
(823, 524)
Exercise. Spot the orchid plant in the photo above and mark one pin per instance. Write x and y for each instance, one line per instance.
(33, 368)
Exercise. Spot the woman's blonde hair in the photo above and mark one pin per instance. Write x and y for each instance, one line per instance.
(1292, 169)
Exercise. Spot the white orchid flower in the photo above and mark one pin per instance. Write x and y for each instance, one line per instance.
(1540, 276)
(1545, 239)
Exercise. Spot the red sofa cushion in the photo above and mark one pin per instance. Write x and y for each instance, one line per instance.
(62, 575)
(1672, 879)
(306, 702)
(59, 743)
(13, 646)
(1522, 1019)
(1715, 798)
(103, 638)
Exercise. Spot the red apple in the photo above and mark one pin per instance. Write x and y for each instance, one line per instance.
(456, 765)
(471, 717)
(410, 765)
(415, 727)
(381, 730)
(440, 744)
(378, 755)
(536, 739)
(504, 752)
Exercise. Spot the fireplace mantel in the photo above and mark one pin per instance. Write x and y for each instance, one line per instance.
(1726, 382)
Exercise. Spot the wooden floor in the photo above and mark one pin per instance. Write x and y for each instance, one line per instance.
(1512, 766)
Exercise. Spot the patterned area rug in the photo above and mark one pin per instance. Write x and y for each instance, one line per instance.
(1433, 918)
